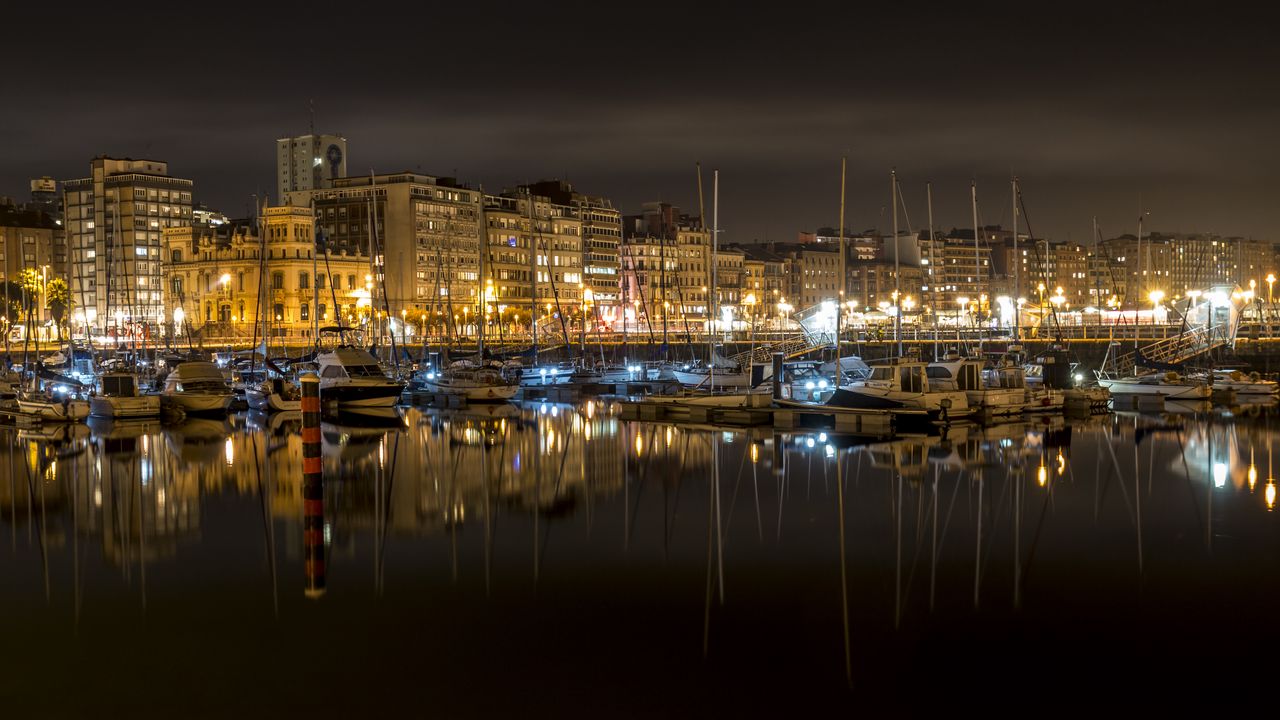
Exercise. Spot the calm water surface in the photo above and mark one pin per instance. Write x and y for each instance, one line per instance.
(556, 560)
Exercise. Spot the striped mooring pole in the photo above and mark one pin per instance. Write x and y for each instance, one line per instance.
(312, 487)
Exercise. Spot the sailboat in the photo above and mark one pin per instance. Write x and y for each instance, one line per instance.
(57, 401)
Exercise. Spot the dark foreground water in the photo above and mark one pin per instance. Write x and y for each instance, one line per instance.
(557, 561)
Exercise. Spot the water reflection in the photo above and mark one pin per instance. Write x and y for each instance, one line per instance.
(1040, 517)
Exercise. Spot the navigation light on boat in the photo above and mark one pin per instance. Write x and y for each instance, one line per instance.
(431, 376)
(61, 389)
(809, 385)
(822, 384)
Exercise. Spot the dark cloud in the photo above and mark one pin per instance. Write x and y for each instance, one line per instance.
(1093, 107)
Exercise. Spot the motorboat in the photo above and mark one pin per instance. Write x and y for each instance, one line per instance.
(352, 378)
(723, 375)
(900, 385)
(274, 394)
(808, 381)
(1001, 392)
(198, 387)
(117, 396)
(1169, 385)
(1053, 384)
(474, 383)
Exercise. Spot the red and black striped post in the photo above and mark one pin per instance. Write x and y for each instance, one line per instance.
(312, 487)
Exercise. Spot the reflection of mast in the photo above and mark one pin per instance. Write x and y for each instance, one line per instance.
(844, 575)
(977, 555)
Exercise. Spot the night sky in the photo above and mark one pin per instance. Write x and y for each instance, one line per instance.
(1094, 107)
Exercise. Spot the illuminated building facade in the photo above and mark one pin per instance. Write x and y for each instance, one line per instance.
(114, 222)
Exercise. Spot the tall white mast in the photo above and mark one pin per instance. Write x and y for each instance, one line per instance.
(1017, 260)
(977, 254)
(715, 245)
(484, 250)
(897, 266)
(844, 277)
(933, 268)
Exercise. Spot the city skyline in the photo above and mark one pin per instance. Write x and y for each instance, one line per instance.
(1094, 112)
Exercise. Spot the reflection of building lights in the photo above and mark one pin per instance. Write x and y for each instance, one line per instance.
(1042, 475)
(1219, 475)
(639, 445)
(1253, 477)
(668, 436)
(230, 451)
(755, 453)
(1270, 495)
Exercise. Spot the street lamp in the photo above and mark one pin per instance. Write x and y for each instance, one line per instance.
(1155, 296)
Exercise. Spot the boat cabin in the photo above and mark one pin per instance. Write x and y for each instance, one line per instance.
(118, 385)
(905, 377)
(957, 374)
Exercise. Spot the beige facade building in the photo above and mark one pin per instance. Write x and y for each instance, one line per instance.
(114, 221)
(211, 277)
(666, 268)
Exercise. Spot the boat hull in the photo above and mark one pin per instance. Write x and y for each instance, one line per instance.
(997, 401)
(141, 406)
(955, 402)
(270, 402)
(51, 411)
(350, 395)
(201, 403)
(721, 379)
(472, 392)
(1172, 391)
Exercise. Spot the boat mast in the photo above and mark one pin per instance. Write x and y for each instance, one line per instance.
(484, 250)
(933, 267)
(897, 265)
(533, 279)
(1017, 261)
(977, 255)
(844, 277)
(315, 276)
(715, 246)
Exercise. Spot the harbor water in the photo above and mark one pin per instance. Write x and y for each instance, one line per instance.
(557, 560)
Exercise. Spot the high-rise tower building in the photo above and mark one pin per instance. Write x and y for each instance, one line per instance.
(309, 162)
(114, 220)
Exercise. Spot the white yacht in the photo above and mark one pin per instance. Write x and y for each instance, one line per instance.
(724, 376)
(353, 379)
(475, 383)
(1169, 385)
(198, 387)
(902, 385)
(1006, 396)
(118, 397)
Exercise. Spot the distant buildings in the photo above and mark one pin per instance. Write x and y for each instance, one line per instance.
(214, 273)
(114, 221)
(309, 162)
